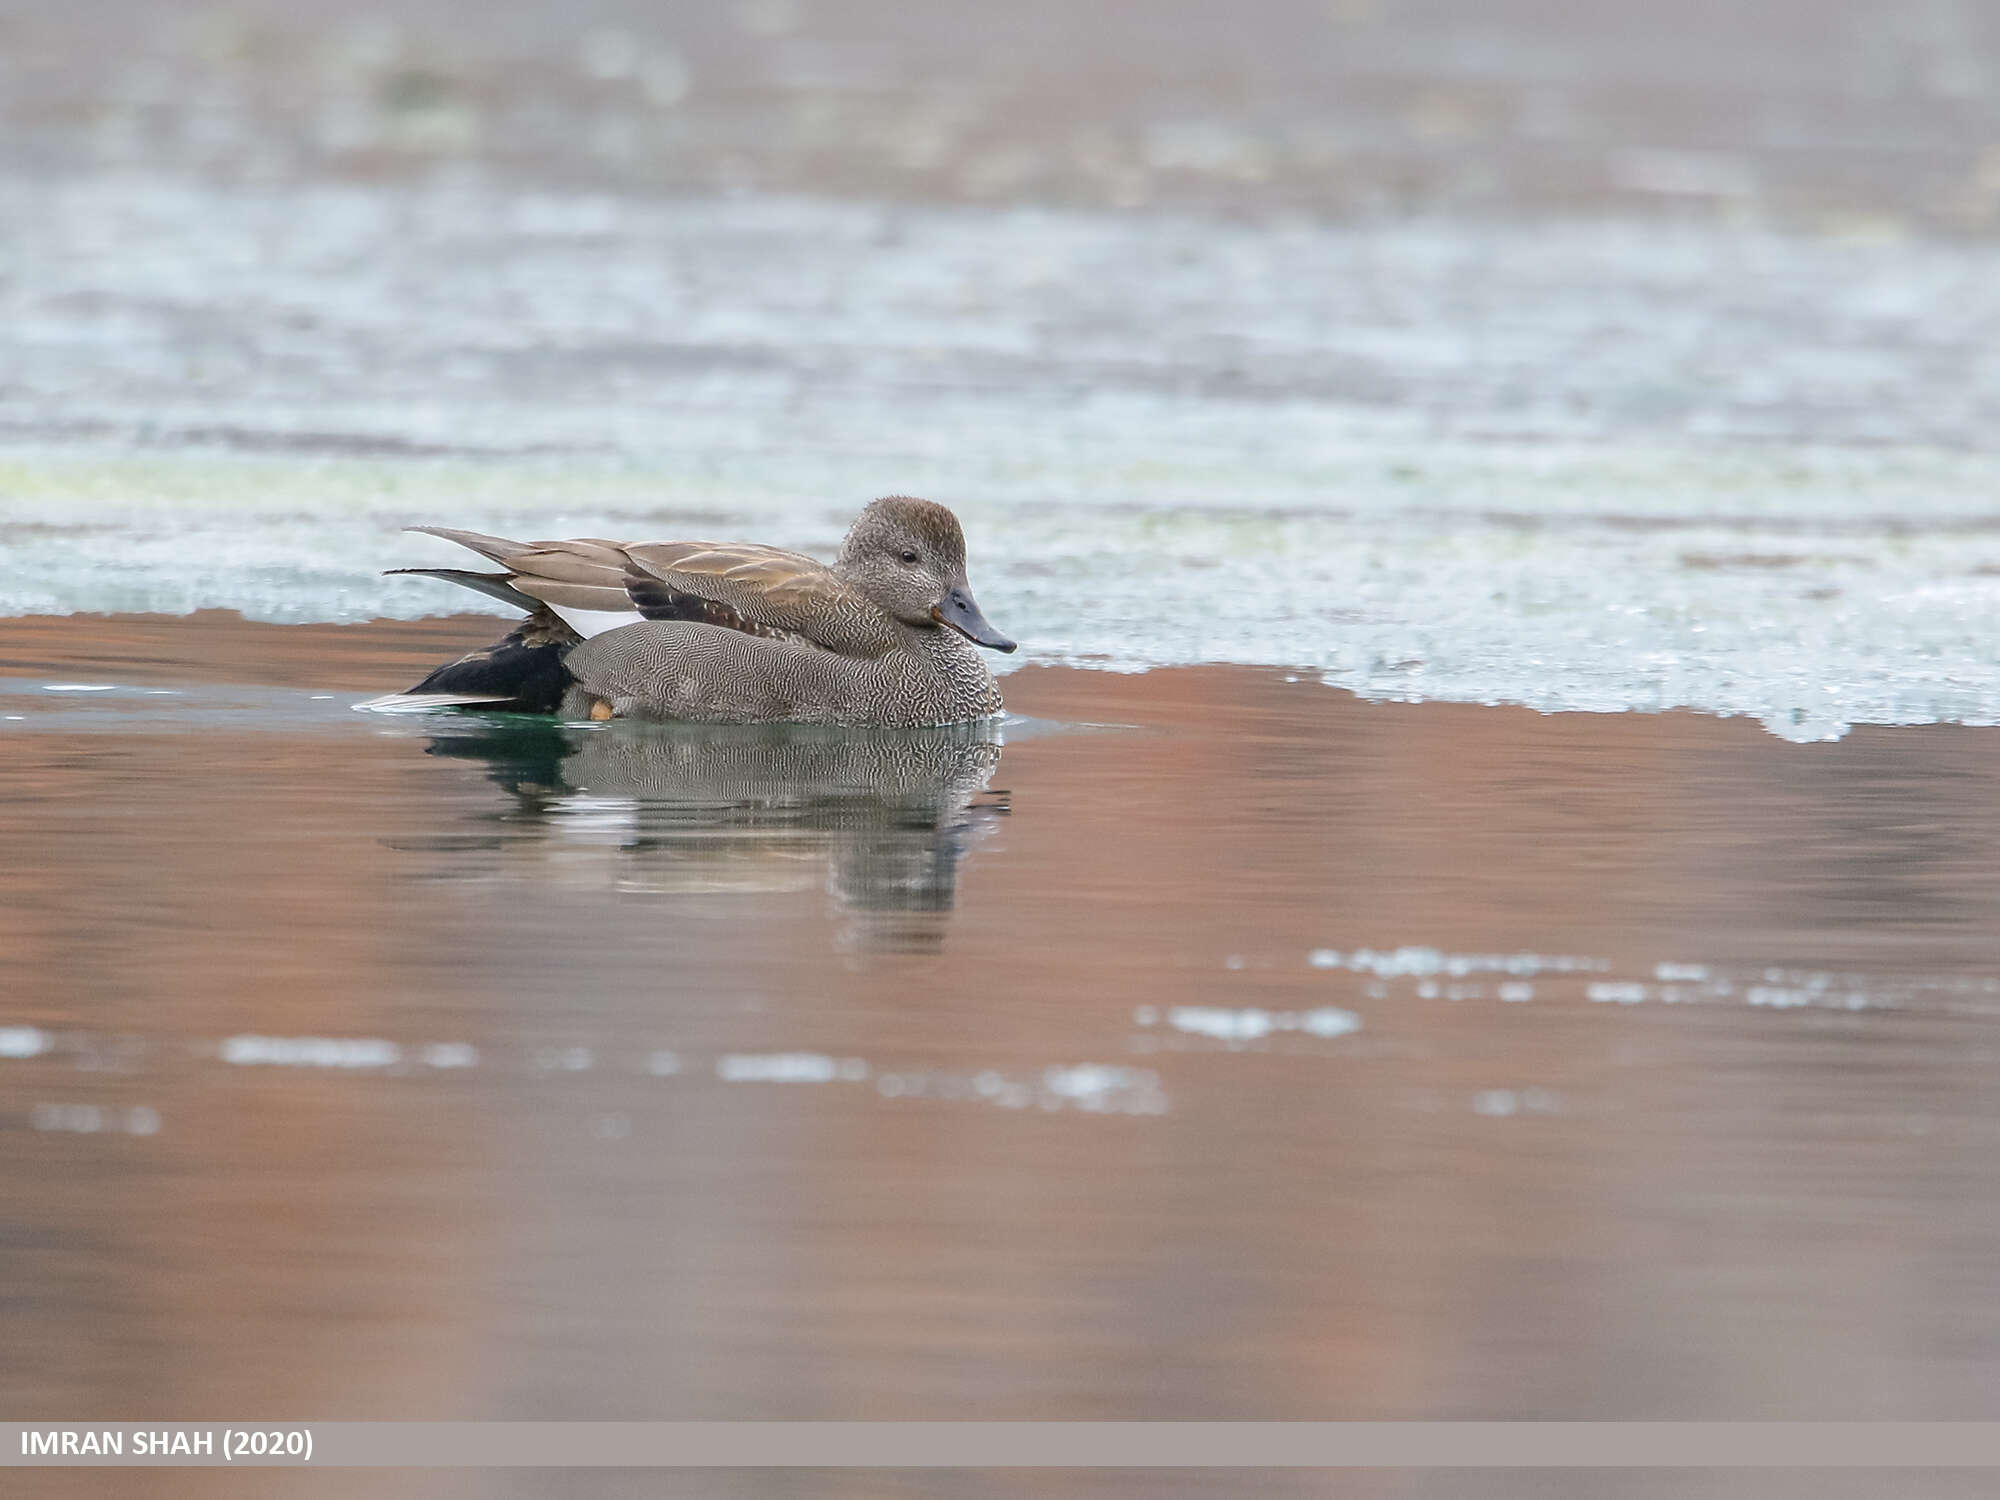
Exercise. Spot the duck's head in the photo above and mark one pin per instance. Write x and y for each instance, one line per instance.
(908, 555)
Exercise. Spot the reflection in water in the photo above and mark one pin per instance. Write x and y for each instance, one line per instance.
(695, 808)
(1289, 1056)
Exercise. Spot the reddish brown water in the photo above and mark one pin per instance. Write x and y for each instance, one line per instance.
(1080, 1099)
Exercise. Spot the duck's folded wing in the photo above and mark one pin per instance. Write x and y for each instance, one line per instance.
(583, 573)
(596, 585)
(760, 590)
(583, 581)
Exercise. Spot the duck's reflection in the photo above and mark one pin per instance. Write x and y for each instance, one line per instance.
(882, 817)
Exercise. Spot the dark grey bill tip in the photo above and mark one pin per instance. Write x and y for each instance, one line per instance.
(959, 611)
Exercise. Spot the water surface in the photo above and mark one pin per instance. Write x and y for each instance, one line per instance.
(1275, 1054)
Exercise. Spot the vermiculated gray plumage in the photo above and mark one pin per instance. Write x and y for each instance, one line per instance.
(679, 670)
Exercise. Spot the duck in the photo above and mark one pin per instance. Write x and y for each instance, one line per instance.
(888, 635)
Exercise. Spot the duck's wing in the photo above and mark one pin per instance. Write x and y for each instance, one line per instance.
(597, 585)
(759, 590)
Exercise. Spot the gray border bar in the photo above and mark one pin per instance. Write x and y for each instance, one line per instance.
(1010, 1445)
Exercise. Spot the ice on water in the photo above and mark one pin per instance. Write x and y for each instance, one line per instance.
(1576, 468)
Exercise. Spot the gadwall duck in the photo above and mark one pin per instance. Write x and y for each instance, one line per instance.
(731, 632)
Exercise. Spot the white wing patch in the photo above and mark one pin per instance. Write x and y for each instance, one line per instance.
(590, 622)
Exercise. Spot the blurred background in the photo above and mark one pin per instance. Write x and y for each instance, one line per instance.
(1828, 117)
(1389, 990)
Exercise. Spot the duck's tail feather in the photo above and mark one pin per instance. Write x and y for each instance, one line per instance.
(522, 672)
(494, 585)
(495, 548)
(418, 703)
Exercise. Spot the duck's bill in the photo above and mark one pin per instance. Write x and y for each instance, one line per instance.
(958, 611)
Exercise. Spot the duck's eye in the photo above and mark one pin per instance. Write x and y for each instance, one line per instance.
(909, 556)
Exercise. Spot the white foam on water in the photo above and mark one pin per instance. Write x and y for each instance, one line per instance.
(1099, 1088)
(1673, 973)
(1250, 1023)
(1617, 994)
(94, 1119)
(1419, 960)
(1093, 1088)
(1502, 1104)
(77, 1119)
(1779, 998)
(23, 1041)
(1415, 969)
(310, 1051)
(783, 1067)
